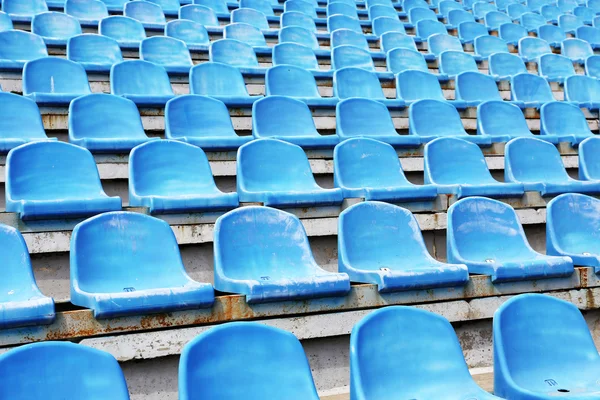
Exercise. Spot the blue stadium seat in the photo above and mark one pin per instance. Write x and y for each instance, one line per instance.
(555, 68)
(356, 82)
(343, 37)
(143, 273)
(431, 119)
(567, 6)
(361, 117)
(389, 339)
(550, 12)
(382, 25)
(480, 8)
(443, 42)
(278, 364)
(538, 165)
(293, 124)
(571, 221)
(592, 67)
(451, 63)
(248, 34)
(54, 81)
(88, 12)
(427, 28)
(350, 56)
(532, 21)
(299, 56)
(250, 16)
(414, 85)
(23, 10)
(299, 35)
(568, 125)
(487, 236)
(531, 48)
(170, 53)
(503, 66)
(55, 27)
(203, 15)
(5, 22)
(503, 121)
(264, 6)
(379, 10)
(392, 40)
(576, 49)
(457, 17)
(221, 81)
(583, 91)
(169, 7)
(552, 34)
(590, 34)
(494, 19)
(529, 90)
(264, 254)
(569, 23)
(218, 6)
(21, 302)
(401, 261)
(294, 18)
(115, 5)
(143, 82)
(296, 82)
(485, 46)
(410, 4)
(20, 122)
(169, 176)
(301, 6)
(194, 35)
(503, 4)
(468, 31)
(62, 370)
(458, 167)
(149, 14)
(96, 53)
(593, 4)
(370, 169)
(126, 31)
(277, 173)
(445, 6)
(515, 10)
(585, 13)
(338, 8)
(201, 121)
(103, 122)
(525, 327)
(535, 5)
(401, 59)
(54, 180)
(237, 54)
(512, 33)
(589, 163)
(475, 87)
(419, 14)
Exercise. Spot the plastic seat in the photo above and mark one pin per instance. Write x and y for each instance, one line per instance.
(392, 40)
(264, 6)
(350, 56)
(96, 53)
(524, 327)
(114, 5)
(536, 5)
(485, 46)
(589, 165)
(337, 8)
(343, 37)
(551, 13)
(382, 25)
(576, 49)
(20, 122)
(427, 28)
(480, 8)
(592, 66)
(23, 10)
(301, 6)
(169, 7)
(414, 85)
(503, 121)
(143, 273)
(222, 82)
(277, 173)
(531, 48)
(570, 23)
(126, 31)
(458, 167)
(143, 82)
(105, 123)
(54, 81)
(362, 117)
(299, 35)
(299, 56)
(296, 82)
(442, 42)
(6, 23)
(585, 13)
(218, 6)
(55, 27)
(474, 88)
(457, 17)
(264, 254)
(194, 35)
(532, 21)
(431, 119)
(529, 90)
(468, 31)
(202, 15)
(378, 10)
(445, 6)
(451, 63)
(552, 34)
(170, 53)
(511, 33)
(63, 370)
(590, 35)
(555, 68)
(237, 54)
(419, 14)
(402, 59)
(250, 16)
(21, 303)
(503, 4)
(515, 10)
(593, 4)
(387, 340)
(54, 180)
(503, 66)
(293, 124)
(336, 22)
(567, 6)
(88, 12)
(149, 14)
(488, 237)
(494, 19)
(294, 18)
(356, 82)
(538, 165)
(410, 4)
(248, 34)
(570, 125)
(279, 365)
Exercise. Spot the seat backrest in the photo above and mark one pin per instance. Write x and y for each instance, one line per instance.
(569, 22)
(592, 66)
(245, 33)
(338, 21)
(515, 10)
(531, 20)
(122, 29)
(530, 87)
(100, 115)
(20, 118)
(16, 45)
(561, 118)
(203, 15)
(233, 52)
(434, 118)
(279, 365)
(218, 6)
(299, 35)
(589, 34)
(264, 6)
(585, 13)
(145, 12)
(446, 6)
(427, 27)
(485, 46)
(420, 13)
(337, 8)
(512, 32)
(343, 37)
(452, 63)
(379, 10)
(293, 118)
(468, 31)
(571, 221)
(533, 160)
(350, 56)
(500, 118)
(553, 66)
(190, 32)
(250, 16)
(197, 116)
(550, 12)
(291, 81)
(494, 19)
(5, 22)
(410, 4)
(551, 33)
(576, 49)
(165, 51)
(443, 42)
(139, 77)
(391, 40)
(63, 370)
(589, 163)
(92, 48)
(506, 64)
(472, 86)
(531, 47)
(24, 7)
(295, 54)
(480, 8)
(356, 82)
(54, 75)
(294, 18)
(593, 4)
(363, 117)
(86, 9)
(457, 17)
(567, 6)
(216, 79)
(382, 25)
(400, 59)
(301, 6)
(415, 85)
(55, 25)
